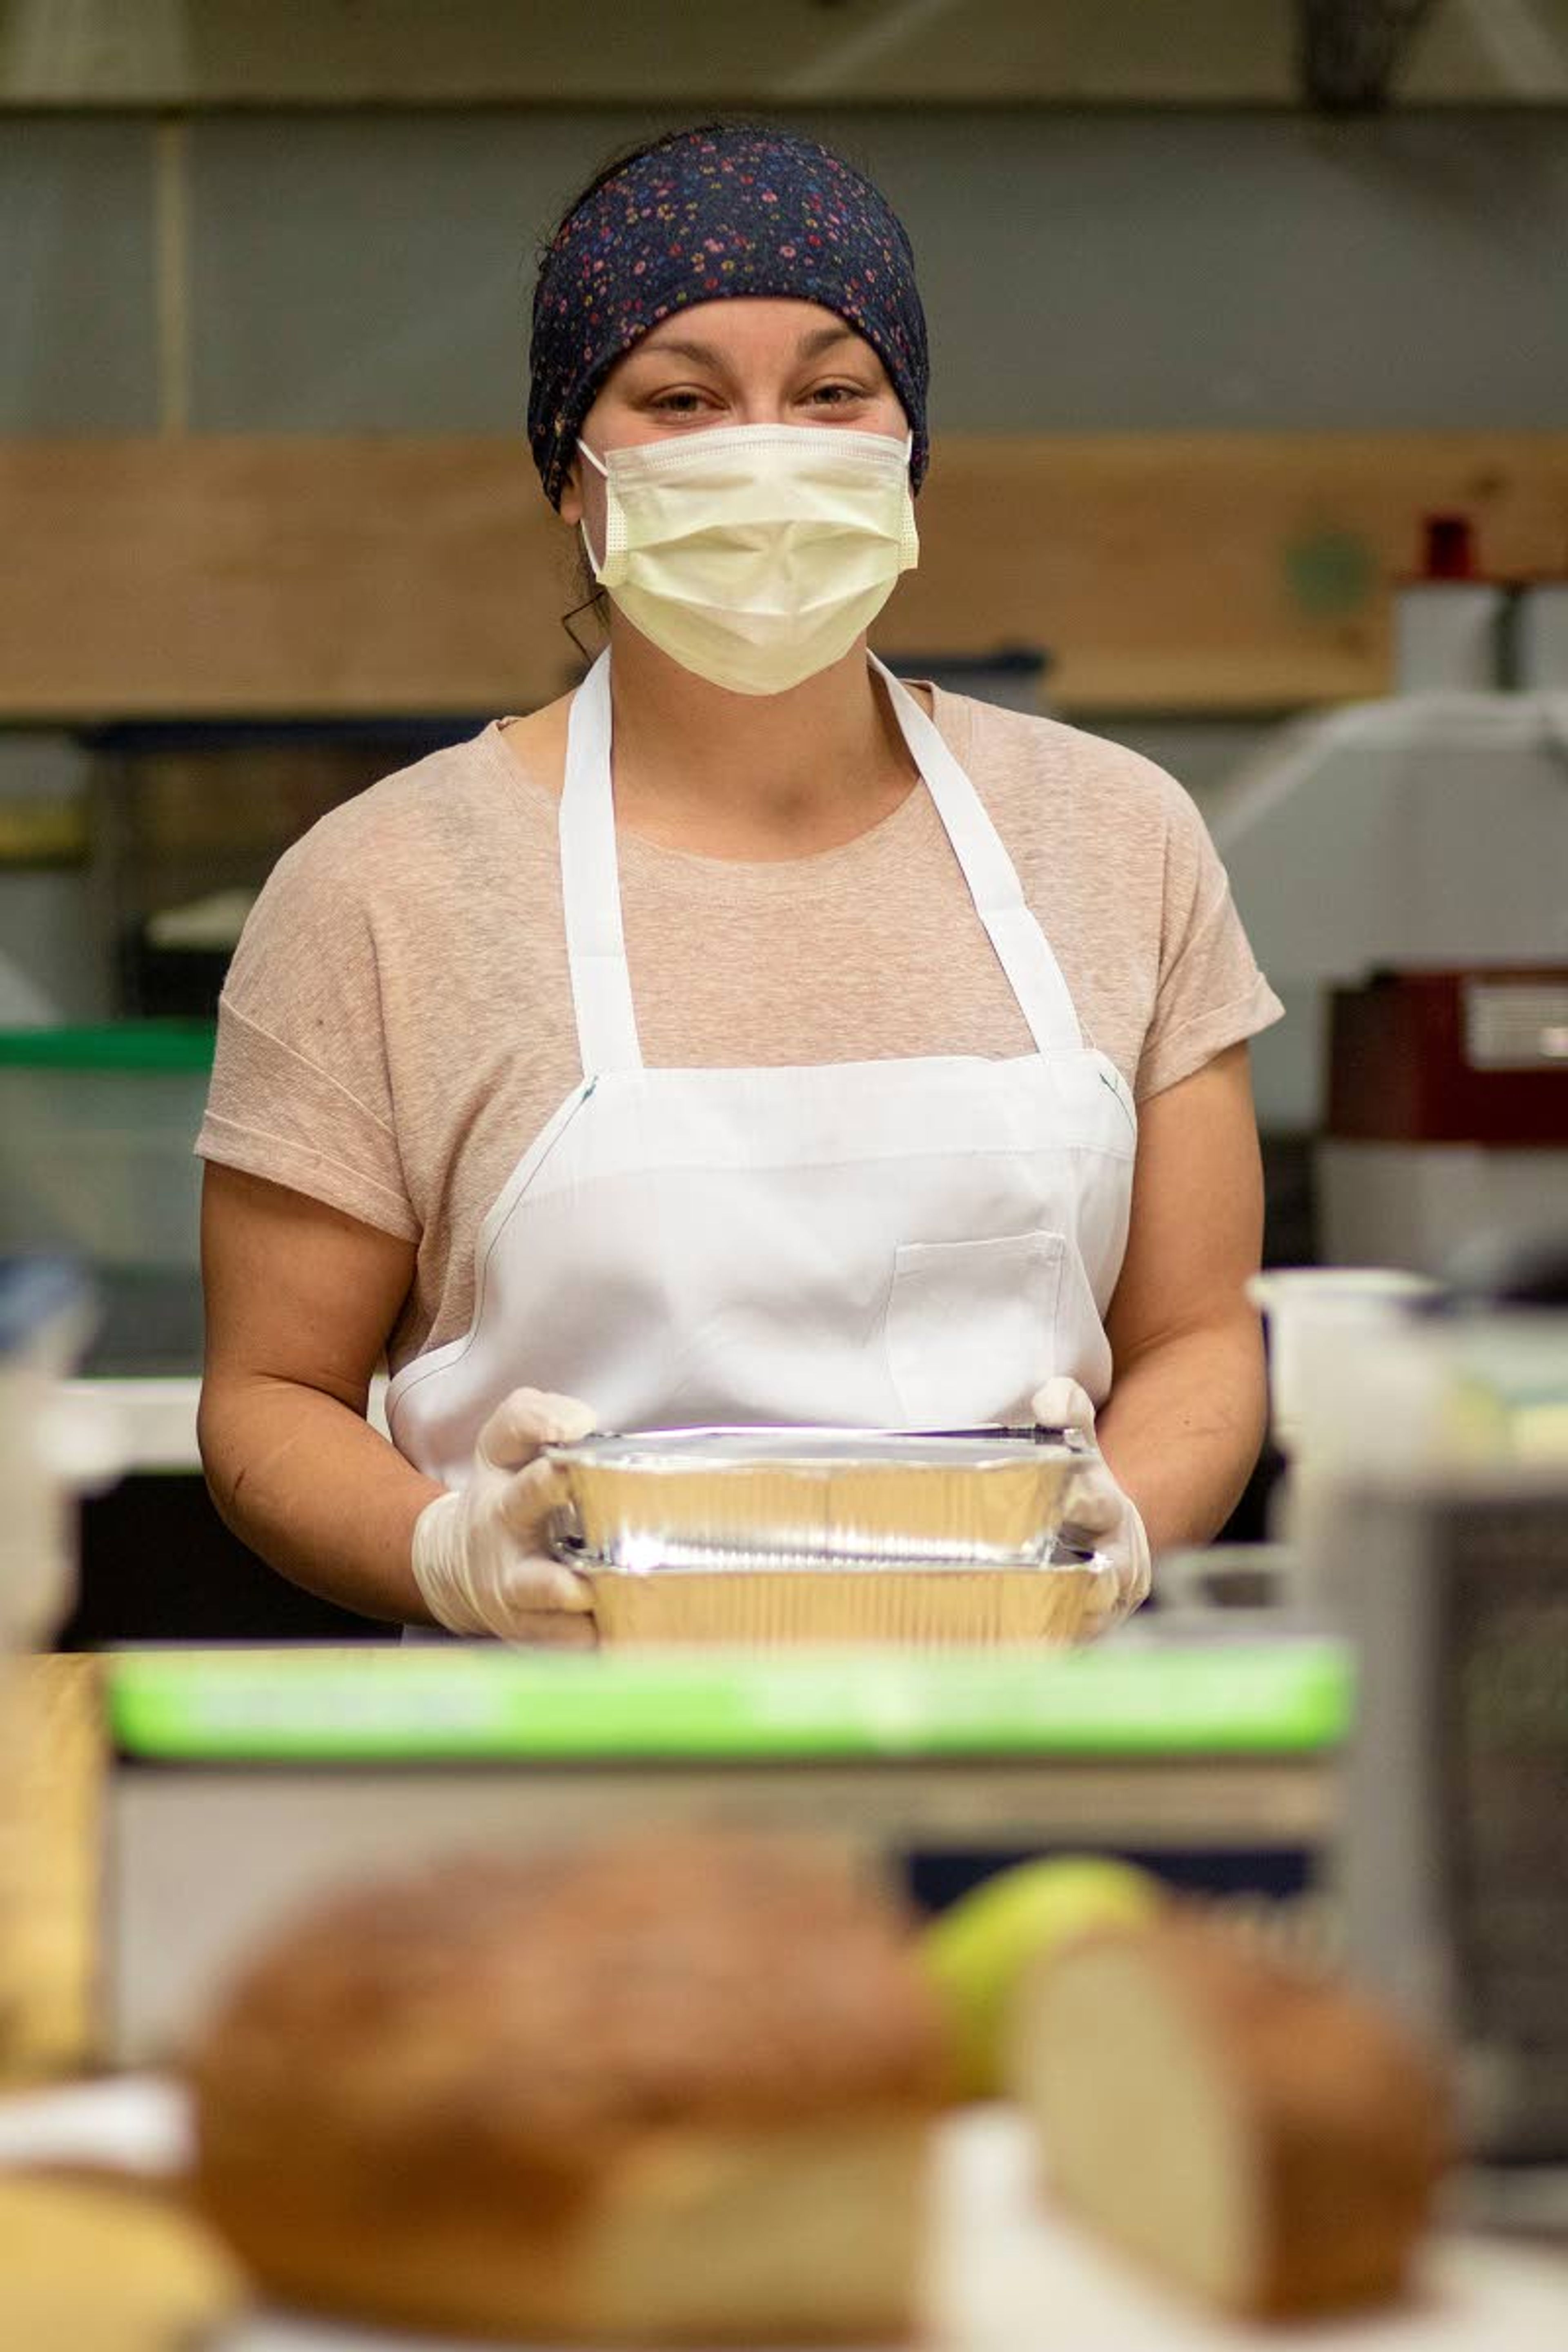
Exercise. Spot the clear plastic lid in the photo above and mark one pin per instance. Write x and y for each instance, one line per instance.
(720, 1446)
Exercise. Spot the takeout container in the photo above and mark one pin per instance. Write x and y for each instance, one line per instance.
(768, 1536)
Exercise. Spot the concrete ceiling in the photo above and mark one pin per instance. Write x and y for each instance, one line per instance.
(761, 53)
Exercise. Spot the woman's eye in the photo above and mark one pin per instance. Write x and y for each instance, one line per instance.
(676, 403)
(834, 395)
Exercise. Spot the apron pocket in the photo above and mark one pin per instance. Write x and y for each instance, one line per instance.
(971, 1327)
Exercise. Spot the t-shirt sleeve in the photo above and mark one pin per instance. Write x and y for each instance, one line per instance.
(300, 1088)
(1211, 993)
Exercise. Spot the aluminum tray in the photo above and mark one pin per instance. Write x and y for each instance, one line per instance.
(1049, 1606)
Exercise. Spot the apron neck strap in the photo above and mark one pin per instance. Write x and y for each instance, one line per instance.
(591, 893)
(591, 886)
(1021, 946)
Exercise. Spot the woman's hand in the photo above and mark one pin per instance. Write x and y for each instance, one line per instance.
(1103, 1519)
(480, 1555)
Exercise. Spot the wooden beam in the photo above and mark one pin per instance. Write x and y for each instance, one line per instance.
(310, 575)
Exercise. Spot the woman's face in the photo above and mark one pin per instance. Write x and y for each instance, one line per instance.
(750, 360)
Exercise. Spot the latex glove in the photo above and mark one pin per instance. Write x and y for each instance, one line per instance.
(1102, 1518)
(482, 1555)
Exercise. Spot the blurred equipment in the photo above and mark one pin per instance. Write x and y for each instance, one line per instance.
(1350, 51)
(1457, 627)
(1437, 1531)
(189, 818)
(1448, 1110)
(1013, 676)
(1540, 639)
(48, 1449)
(1455, 1859)
(97, 1125)
(1411, 857)
(51, 1446)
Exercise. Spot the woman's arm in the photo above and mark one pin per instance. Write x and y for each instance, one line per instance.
(300, 1300)
(1188, 1399)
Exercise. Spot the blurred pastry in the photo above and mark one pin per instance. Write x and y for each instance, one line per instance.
(673, 2091)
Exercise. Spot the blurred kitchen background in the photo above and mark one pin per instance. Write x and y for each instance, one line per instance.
(1246, 314)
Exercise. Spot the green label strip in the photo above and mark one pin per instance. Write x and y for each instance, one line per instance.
(438, 1706)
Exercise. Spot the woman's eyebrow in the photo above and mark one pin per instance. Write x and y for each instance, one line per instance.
(674, 347)
(821, 338)
(669, 348)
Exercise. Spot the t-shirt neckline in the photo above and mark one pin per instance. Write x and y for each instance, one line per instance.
(774, 878)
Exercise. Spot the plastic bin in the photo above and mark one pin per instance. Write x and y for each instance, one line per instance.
(96, 1127)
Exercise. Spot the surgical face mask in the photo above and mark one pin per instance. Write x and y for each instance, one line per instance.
(756, 554)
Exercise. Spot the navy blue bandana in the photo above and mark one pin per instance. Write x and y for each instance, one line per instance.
(706, 214)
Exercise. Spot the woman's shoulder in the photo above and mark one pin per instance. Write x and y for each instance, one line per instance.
(415, 853)
(1020, 753)
(443, 793)
(451, 807)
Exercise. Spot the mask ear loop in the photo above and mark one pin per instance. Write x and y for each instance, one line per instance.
(594, 603)
(594, 562)
(909, 535)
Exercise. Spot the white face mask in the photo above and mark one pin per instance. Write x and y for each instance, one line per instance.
(756, 554)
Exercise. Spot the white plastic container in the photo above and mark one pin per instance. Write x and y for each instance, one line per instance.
(1449, 624)
(1317, 1316)
(1448, 635)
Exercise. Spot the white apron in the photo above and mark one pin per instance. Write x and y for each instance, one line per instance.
(912, 1244)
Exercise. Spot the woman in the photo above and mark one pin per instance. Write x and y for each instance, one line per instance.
(793, 1083)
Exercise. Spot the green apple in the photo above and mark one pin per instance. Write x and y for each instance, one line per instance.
(977, 1951)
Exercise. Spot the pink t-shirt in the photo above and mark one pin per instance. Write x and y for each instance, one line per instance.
(398, 1023)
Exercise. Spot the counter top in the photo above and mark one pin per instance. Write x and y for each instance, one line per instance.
(1003, 2260)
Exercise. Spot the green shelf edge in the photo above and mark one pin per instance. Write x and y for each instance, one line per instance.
(173, 1045)
(420, 1705)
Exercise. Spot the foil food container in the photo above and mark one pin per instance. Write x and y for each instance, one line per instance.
(772, 1535)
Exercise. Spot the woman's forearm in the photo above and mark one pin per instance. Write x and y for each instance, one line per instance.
(1183, 1425)
(322, 1497)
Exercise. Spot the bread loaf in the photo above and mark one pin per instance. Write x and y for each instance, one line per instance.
(1259, 2136)
(675, 2091)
